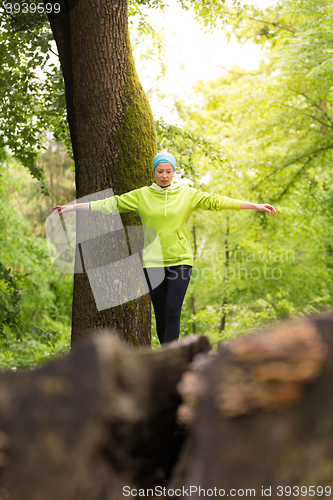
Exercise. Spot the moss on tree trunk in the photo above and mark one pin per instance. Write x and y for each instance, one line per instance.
(112, 132)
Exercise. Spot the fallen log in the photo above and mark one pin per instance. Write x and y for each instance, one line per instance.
(86, 425)
(260, 414)
(253, 417)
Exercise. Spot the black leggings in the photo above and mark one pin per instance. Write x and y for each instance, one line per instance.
(167, 299)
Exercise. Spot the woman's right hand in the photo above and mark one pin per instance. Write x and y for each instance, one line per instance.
(63, 209)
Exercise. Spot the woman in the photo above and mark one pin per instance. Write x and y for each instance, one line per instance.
(166, 207)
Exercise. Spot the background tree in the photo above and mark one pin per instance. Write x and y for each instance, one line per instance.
(274, 124)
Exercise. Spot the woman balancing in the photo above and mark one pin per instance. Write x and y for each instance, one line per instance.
(166, 207)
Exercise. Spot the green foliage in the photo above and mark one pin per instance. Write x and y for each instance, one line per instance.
(184, 145)
(211, 13)
(28, 199)
(270, 130)
(32, 89)
(34, 350)
(280, 118)
(146, 53)
(35, 300)
(275, 126)
(9, 304)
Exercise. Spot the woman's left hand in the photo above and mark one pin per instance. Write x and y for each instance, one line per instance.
(265, 207)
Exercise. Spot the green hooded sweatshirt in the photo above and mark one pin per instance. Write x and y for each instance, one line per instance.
(167, 210)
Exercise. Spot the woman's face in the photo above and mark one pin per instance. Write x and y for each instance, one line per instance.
(163, 174)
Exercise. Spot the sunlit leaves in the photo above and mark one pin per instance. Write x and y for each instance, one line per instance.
(276, 127)
(185, 144)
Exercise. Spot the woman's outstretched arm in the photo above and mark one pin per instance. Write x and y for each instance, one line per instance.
(264, 207)
(62, 209)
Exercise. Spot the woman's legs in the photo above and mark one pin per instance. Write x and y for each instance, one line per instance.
(167, 299)
(158, 297)
(178, 278)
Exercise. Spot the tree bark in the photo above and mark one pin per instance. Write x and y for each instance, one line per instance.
(112, 133)
(260, 414)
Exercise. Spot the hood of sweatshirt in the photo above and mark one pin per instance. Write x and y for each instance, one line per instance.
(174, 185)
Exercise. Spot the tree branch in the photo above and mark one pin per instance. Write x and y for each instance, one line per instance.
(293, 180)
(316, 105)
(310, 116)
(291, 162)
(288, 28)
(251, 73)
(319, 121)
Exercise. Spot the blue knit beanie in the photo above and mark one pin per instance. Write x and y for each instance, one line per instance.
(164, 157)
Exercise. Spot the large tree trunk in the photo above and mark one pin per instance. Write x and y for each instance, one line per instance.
(112, 132)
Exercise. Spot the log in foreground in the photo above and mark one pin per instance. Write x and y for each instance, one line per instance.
(100, 418)
(260, 414)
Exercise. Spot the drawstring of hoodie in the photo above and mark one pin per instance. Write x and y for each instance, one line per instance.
(174, 185)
